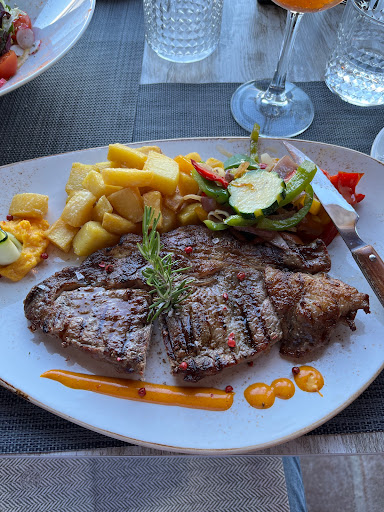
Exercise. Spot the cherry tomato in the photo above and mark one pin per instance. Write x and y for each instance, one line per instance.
(8, 65)
(22, 21)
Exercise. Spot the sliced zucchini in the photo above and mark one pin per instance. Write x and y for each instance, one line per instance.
(10, 248)
(256, 194)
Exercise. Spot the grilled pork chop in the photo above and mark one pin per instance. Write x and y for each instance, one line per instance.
(101, 306)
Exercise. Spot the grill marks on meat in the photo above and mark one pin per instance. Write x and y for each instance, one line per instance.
(213, 251)
(198, 332)
(104, 313)
(309, 307)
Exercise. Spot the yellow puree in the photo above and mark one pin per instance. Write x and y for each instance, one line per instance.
(32, 234)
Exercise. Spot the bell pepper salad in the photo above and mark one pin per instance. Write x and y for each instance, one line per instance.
(262, 195)
(17, 40)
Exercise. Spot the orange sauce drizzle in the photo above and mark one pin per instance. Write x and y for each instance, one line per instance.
(309, 379)
(210, 399)
(283, 388)
(260, 395)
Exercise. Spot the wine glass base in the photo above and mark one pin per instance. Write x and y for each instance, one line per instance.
(276, 119)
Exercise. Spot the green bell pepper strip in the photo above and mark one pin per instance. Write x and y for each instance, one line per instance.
(236, 160)
(299, 181)
(239, 220)
(284, 224)
(210, 188)
(255, 142)
(215, 226)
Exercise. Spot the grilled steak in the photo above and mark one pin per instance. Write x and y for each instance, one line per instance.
(101, 313)
(212, 331)
(101, 306)
(309, 307)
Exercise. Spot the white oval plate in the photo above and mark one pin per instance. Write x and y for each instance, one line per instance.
(58, 24)
(377, 150)
(348, 364)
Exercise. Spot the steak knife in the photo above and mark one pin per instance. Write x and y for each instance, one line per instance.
(345, 218)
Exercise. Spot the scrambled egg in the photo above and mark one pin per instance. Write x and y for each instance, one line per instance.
(32, 234)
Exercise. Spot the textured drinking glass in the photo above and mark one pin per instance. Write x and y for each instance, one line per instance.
(183, 30)
(355, 70)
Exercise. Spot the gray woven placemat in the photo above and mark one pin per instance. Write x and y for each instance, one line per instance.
(85, 98)
(92, 97)
(143, 484)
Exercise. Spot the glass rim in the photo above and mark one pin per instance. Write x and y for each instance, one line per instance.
(357, 5)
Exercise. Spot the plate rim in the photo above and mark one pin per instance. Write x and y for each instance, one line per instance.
(224, 137)
(40, 70)
(192, 450)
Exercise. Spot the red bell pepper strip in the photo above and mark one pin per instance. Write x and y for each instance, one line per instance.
(346, 182)
(209, 175)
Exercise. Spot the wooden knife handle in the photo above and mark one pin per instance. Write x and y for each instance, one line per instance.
(372, 266)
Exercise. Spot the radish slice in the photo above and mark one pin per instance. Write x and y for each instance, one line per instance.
(25, 38)
(17, 49)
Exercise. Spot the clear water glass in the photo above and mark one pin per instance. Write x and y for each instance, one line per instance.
(183, 30)
(355, 70)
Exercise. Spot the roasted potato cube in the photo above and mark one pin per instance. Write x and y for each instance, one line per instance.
(147, 149)
(30, 205)
(110, 189)
(92, 237)
(188, 215)
(214, 162)
(118, 225)
(62, 234)
(126, 157)
(194, 156)
(201, 213)
(153, 200)
(77, 175)
(165, 173)
(127, 177)
(187, 185)
(128, 203)
(185, 165)
(101, 207)
(94, 183)
(78, 209)
(174, 202)
(104, 165)
(169, 220)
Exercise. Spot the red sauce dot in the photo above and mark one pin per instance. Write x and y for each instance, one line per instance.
(109, 269)
(9, 217)
(44, 256)
(241, 276)
(295, 370)
(142, 392)
(229, 389)
(250, 363)
(225, 296)
(188, 249)
(183, 365)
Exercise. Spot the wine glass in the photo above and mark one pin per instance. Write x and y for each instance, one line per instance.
(280, 108)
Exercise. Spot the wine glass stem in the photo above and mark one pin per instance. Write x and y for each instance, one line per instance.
(276, 89)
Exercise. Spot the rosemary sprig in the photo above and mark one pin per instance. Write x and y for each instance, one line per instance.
(161, 275)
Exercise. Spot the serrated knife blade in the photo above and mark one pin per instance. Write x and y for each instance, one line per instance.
(345, 218)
